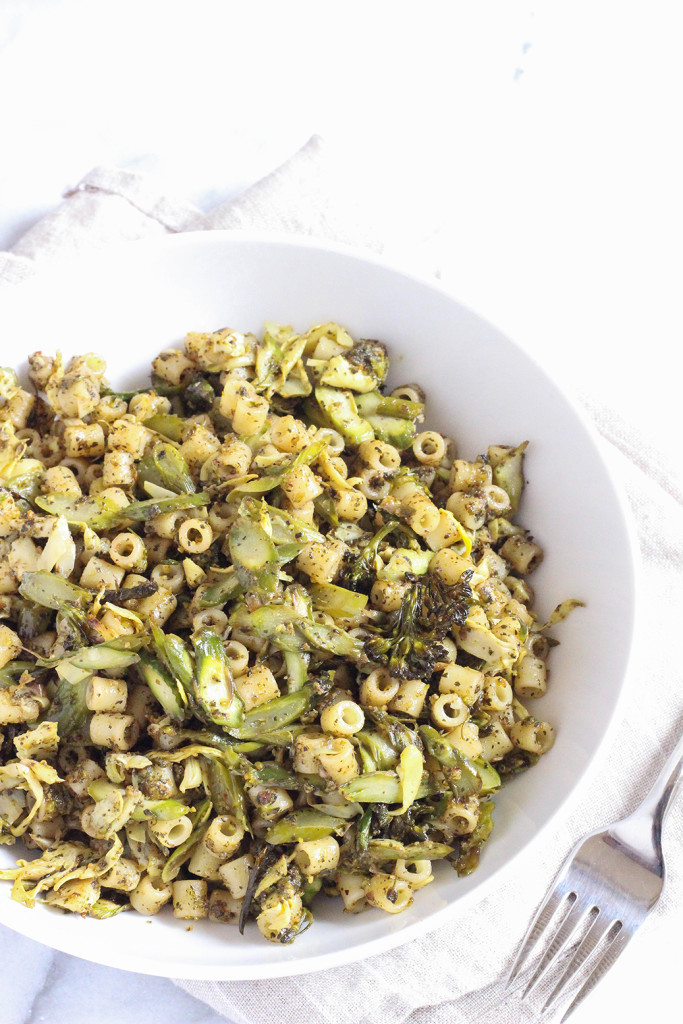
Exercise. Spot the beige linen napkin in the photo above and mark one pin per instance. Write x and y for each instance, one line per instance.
(453, 975)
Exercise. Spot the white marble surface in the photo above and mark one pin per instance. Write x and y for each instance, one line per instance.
(530, 150)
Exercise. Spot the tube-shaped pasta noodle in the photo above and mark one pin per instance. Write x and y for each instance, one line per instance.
(469, 476)
(114, 731)
(461, 815)
(60, 480)
(467, 682)
(190, 899)
(497, 694)
(173, 832)
(10, 645)
(448, 710)
(352, 888)
(465, 738)
(210, 618)
(150, 895)
(417, 873)
(257, 687)
(100, 573)
(530, 677)
(118, 469)
(449, 565)
(278, 915)
(289, 434)
(195, 536)
(204, 862)
(388, 893)
(124, 875)
(468, 509)
(429, 448)
(378, 455)
(533, 735)
(270, 801)
(127, 550)
(522, 553)
(103, 694)
(387, 595)
(170, 576)
(321, 560)
(410, 697)
(343, 718)
(317, 855)
(224, 836)
(337, 760)
(373, 484)
(84, 440)
(496, 743)
(238, 658)
(350, 505)
(223, 907)
(235, 875)
(301, 485)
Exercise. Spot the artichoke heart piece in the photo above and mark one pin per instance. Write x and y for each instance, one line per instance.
(362, 368)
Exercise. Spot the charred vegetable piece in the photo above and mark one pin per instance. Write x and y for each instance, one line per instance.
(338, 602)
(508, 471)
(97, 511)
(377, 404)
(140, 511)
(274, 715)
(470, 847)
(383, 850)
(213, 688)
(460, 773)
(335, 408)
(164, 466)
(383, 788)
(303, 826)
(51, 591)
(168, 425)
(174, 654)
(410, 644)
(227, 792)
(162, 686)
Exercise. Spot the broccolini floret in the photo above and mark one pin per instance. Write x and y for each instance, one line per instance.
(410, 643)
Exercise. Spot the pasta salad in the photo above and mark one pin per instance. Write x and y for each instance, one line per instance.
(263, 638)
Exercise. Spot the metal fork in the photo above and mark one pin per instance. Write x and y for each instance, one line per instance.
(601, 895)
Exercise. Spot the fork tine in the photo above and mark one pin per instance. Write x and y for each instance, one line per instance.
(551, 904)
(546, 912)
(610, 954)
(597, 930)
(564, 933)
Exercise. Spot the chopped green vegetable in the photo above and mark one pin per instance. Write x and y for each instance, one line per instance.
(141, 511)
(51, 591)
(213, 688)
(410, 643)
(164, 466)
(337, 409)
(162, 686)
(303, 826)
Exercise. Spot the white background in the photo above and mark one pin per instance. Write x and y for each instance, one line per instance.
(529, 151)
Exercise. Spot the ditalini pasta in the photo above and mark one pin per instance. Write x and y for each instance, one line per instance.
(264, 640)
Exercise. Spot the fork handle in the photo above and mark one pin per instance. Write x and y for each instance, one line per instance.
(657, 801)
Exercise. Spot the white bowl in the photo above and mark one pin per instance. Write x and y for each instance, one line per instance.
(129, 302)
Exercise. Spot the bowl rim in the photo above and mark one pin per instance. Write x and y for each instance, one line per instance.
(96, 258)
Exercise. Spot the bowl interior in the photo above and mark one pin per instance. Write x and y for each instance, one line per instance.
(130, 302)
